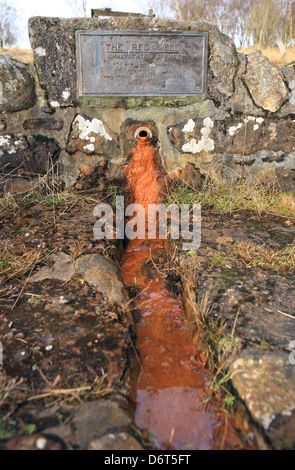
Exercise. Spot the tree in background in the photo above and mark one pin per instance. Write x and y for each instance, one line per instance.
(78, 7)
(264, 22)
(288, 21)
(8, 30)
(248, 22)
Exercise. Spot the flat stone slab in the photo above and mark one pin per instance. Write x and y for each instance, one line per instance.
(62, 269)
(101, 272)
(266, 383)
(120, 441)
(95, 419)
(104, 274)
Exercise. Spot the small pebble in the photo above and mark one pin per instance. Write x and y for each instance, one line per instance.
(41, 443)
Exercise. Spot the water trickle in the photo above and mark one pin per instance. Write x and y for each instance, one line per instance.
(172, 382)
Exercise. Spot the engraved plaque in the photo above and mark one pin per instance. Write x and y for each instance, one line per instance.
(141, 63)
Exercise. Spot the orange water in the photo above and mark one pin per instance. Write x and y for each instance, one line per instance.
(172, 382)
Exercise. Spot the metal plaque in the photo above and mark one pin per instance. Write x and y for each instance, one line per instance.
(141, 63)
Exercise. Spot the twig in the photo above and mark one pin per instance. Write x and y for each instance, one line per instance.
(286, 314)
(66, 391)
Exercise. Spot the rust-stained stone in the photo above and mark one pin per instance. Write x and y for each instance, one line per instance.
(265, 82)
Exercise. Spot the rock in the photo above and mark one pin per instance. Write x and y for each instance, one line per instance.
(104, 275)
(265, 82)
(62, 269)
(27, 154)
(241, 102)
(115, 173)
(279, 178)
(95, 419)
(228, 136)
(222, 66)
(17, 85)
(64, 433)
(91, 136)
(190, 175)
(289, 107)
(120, 441)
(18, 185)
(266, 383)
(54, 47)
(43, 123)
(87, 170)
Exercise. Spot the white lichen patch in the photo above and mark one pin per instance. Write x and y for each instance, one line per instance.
(259, 120)
(89, 147)
(265, 418)
(40, 51)
(66, 94)
(87, 127)
(189, 126)
(233, 129)
(4, 139)
(205, 144)
(55, 104)
(249, 118)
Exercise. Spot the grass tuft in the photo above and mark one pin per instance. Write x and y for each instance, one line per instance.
(231, 198)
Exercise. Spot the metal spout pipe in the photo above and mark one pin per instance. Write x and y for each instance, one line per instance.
(143, 134)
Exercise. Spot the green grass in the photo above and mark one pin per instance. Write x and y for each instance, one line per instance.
(240, 196)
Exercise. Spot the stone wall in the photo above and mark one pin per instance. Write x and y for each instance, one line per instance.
(243, 128)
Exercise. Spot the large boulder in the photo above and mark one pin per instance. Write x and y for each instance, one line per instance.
(265, 82)
(17, 86)
(27, 154)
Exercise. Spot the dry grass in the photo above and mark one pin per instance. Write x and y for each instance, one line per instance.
(274, 54)
(15, 261)
(24, 55)
(279, 260)
(7, 386)
(232, 198)
(99, 387)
